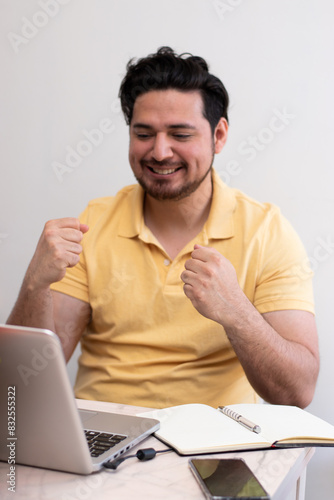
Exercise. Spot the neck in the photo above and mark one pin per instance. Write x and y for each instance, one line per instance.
(175, 223)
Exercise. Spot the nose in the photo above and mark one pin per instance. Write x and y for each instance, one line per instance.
(161, 148)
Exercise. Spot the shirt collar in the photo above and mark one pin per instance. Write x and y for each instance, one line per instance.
(132, 218)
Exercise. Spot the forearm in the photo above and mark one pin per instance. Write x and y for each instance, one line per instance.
(34, 307)
(281, 370)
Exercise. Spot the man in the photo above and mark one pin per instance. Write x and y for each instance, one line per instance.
(180, 288)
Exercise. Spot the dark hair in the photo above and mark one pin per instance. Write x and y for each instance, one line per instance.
(167, 70)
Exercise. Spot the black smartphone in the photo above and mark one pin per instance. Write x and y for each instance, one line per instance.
(227, 479)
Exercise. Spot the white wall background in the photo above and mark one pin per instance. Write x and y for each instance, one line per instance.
(62, 62)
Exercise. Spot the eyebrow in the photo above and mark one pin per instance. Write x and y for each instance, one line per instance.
(173, 126)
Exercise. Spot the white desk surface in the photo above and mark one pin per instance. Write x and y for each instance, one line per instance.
(165, 477)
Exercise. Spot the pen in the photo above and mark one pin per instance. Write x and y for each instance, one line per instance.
(239, 418)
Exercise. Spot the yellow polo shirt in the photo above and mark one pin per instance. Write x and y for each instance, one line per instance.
(146, 344)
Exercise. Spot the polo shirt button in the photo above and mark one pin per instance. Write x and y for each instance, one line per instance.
(166, 262)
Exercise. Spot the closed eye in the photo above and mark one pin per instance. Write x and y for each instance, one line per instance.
(182, 136)
(143, 136)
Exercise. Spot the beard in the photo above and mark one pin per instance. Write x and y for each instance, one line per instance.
(161, 190)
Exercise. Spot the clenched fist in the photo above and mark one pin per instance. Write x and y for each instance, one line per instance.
(210, 282)
(58, 248)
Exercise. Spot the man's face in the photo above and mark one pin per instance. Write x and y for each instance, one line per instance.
(171, 143)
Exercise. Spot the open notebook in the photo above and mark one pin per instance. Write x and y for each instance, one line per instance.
(197, 428)
(43, 426)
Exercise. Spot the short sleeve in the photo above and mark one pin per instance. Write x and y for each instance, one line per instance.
(284, 273)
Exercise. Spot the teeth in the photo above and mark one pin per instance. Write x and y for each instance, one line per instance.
(164, 172)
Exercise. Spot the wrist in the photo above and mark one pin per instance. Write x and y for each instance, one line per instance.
(241, 316)
(33, 286)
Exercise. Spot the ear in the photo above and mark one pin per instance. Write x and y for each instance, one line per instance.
(220, 135)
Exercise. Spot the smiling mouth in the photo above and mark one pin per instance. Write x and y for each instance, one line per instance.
(165, 171)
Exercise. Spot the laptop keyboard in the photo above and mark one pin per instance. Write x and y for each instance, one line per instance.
(100, 442)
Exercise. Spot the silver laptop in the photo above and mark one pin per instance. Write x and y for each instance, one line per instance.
(40, 424)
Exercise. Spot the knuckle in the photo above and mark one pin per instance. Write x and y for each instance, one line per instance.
(49, 224)
(210, 272)
(57, 255)
(49, 234)
(216, 259)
